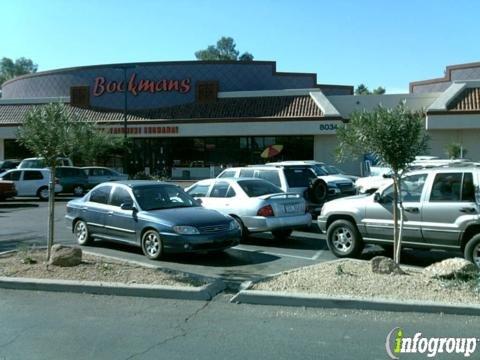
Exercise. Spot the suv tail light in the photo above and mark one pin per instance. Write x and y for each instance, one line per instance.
(266, 211)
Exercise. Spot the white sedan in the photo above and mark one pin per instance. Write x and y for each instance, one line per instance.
(256, 204)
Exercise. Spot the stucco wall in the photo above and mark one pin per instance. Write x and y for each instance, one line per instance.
(468, 138)
(324, 150)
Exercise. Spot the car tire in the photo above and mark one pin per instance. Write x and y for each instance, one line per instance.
(43, 193)
(343, 239)
(78, 190)
(318, 191)
(81, 233)
(243, 230)
(472, 250)
(152, 244)
(282, 235)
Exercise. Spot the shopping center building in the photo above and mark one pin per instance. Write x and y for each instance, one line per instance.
(189, 116)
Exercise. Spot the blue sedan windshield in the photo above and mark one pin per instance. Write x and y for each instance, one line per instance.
(154, 197)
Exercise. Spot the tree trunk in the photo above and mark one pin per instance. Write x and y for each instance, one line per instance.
(395, 217)
(51, 212)
(398, 250)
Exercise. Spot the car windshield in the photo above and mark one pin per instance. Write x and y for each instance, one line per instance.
(155, 197)
(255, 188)
(320, 170)
(332, 170)
(33, 164)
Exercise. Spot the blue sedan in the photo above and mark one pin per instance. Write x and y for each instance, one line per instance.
(158, 217)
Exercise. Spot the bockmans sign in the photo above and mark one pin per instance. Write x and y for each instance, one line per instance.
(135, 86)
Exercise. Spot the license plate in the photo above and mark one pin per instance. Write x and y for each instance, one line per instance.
(290, 208)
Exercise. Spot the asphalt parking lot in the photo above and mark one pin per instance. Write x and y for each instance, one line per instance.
(24, 222)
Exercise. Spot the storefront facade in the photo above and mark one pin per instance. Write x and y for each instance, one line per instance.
(185, 116)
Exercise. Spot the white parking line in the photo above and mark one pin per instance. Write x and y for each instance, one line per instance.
(274, 254)
(318, 254)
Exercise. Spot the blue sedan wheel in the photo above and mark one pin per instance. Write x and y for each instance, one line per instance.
(152, 245)
(80, 231)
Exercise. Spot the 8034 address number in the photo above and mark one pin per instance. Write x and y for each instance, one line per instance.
(326, 127)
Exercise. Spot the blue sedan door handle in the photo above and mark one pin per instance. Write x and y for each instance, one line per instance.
(110, 213)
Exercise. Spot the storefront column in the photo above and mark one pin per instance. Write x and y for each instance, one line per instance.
(2, 149)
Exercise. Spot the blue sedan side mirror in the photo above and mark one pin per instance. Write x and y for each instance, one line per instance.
(127, 206)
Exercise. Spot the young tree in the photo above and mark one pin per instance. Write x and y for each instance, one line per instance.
(395, 136)
(225, 49)
(50, 132)
(455, 150)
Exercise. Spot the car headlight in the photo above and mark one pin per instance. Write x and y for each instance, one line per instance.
(233, 225)
(186, 230)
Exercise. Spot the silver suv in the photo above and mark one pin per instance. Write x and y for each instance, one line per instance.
(299, 179)
(441, 211)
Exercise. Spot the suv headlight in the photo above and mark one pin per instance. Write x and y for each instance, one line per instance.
(233, 225)
(186, 230)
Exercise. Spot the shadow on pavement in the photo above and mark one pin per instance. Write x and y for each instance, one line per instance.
(296, 242)
(228, 258)
(14, 205)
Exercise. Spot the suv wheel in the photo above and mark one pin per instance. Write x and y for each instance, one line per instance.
(318, 191)
(343, 239)
(472, 250)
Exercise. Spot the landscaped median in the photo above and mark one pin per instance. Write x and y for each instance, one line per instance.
(352, 284)
(27, 270)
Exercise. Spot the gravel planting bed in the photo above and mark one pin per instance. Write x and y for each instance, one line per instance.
(355, 279)
(92, 268)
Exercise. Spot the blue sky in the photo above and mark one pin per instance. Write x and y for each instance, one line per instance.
(388, 43)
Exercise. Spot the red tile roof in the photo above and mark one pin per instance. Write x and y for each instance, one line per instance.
(289, 107)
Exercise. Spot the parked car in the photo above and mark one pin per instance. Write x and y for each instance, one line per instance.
(97, 175)
(31, 182)
(7, 189)
(8, 164)
(257, 205)
(158, 217)
(320, 168)
(73, 179)
(442, 211)
(300, 179)
(379, 177)
(39, 162)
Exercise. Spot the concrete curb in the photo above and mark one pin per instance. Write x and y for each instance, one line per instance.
(205, 292)
(260, 297)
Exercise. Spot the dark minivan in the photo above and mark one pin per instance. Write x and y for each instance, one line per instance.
(74, 180)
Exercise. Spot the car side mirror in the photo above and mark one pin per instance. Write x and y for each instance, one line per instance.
(198, 201)
(377, 197)
(127, 206)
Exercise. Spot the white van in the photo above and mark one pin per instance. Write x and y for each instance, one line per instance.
(30, 182)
